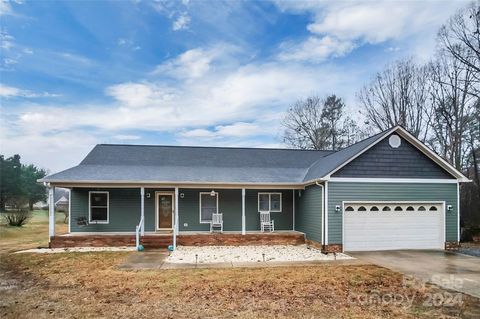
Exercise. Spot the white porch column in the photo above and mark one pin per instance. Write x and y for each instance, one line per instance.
(51, 213)
(175, 220)
(142, 210)
(293, 192)
(243, 212)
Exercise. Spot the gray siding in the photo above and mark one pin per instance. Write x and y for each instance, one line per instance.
(229, 204)
(382, 160)
(338, 192)
(283, 220)
(308, 214)
(124, 212)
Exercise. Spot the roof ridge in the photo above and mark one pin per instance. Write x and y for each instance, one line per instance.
(217, 147)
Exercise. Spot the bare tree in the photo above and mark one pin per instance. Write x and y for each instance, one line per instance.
(304, 128)
(332, 116)
(460, 36)
(316, 123)
(398, 95)
(453, 108)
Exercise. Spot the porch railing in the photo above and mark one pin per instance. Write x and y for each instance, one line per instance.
(138, 229)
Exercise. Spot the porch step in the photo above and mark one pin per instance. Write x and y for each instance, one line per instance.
(157, 241)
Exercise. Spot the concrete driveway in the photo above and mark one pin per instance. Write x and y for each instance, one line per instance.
(446, 269)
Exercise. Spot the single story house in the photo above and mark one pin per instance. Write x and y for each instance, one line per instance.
(389, 191)
(61, 196)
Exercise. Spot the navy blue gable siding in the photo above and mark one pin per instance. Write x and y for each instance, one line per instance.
(382, 160)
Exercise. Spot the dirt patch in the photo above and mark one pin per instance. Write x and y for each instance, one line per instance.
(90, 285)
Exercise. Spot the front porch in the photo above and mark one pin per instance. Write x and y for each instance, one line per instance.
(164, 239)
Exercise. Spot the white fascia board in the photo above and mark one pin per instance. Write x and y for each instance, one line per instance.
(391, 180)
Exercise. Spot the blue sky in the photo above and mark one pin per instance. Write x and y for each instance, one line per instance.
(78, 73)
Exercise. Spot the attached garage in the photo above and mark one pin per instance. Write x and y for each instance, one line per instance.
(393, 225)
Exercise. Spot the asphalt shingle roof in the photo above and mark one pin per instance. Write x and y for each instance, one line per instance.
(187, 164)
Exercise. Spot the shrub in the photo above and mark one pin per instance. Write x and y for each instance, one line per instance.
(468, 233)
(17, 218)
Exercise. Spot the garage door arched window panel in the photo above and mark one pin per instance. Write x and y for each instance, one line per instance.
(433, 208)
(362, 209)
(391, 225)
(349, 209)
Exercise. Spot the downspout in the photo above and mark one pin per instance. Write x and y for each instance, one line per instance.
(323, 211)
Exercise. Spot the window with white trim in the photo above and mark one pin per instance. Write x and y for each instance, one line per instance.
(208, 206)
(271, 202)
(98, 203)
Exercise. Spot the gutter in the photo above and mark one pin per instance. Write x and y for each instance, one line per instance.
(324, 217)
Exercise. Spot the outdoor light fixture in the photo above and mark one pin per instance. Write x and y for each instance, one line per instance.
(148, 195)
(182, 195)
(337, 208)
(449, 207)
(212, 193)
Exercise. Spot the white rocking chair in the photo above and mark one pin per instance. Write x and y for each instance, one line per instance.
(217, 221)
(266, 222)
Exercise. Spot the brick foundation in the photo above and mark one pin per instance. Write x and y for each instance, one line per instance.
(334, 248)
(240, 240)
(152, 241)
(452, 245)
(162, 241)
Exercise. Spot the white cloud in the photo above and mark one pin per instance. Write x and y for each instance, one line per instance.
(190, 64)
(195, 110)
(139, 94)
(6, 40)
(315, 49)
(126, 137)
(5, 8)
(353, 23)
(198, 133)
(182, 22)
(128, 43)
(255, 91)
(10, 92)
(239, 129)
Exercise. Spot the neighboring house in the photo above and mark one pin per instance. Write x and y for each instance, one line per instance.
(61, 196)
(388, 191)
(60, 199)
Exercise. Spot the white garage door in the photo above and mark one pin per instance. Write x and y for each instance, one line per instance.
(387, 226)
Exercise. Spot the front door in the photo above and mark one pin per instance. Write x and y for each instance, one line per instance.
(165, 210)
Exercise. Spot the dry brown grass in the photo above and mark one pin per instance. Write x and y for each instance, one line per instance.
(32, 235)
(87, 285)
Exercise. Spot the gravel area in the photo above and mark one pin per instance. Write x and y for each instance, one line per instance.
(225, 254)
(471, 251)
(74, 250)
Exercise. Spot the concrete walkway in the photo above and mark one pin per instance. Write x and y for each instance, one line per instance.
(446, 269)
(151, 260)
(145, 260)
